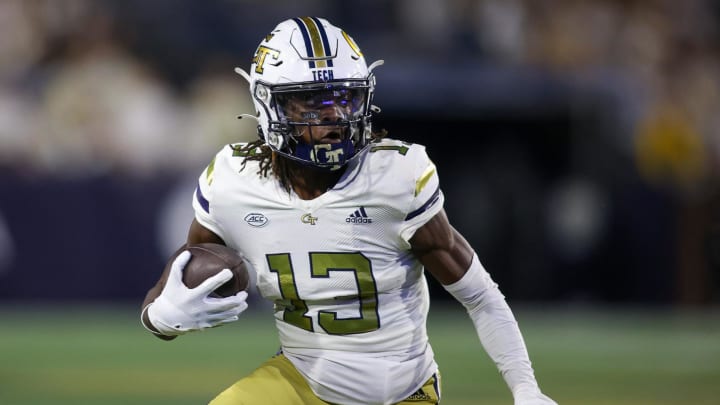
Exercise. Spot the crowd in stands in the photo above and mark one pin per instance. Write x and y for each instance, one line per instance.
(88, 87)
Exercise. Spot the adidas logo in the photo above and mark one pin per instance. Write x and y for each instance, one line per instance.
(359, 217)
(419, 395)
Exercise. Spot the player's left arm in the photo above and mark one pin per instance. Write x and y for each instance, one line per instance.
(451, 260)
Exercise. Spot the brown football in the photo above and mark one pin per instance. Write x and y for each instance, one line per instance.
(209, 259)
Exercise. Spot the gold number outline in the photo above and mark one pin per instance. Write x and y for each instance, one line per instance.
(321, 266)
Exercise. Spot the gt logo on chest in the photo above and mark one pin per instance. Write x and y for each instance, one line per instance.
(308, 219)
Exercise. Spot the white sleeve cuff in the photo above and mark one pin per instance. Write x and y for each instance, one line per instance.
(495, 325)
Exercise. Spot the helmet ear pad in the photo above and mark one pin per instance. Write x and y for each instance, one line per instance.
(275, 140)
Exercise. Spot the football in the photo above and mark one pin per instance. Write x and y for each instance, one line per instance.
(209, 259)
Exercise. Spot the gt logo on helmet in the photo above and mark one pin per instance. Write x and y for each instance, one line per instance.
(260, 55)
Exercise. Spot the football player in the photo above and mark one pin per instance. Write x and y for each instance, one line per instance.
(340, 225)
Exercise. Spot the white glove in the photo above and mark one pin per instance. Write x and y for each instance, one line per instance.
(179, 309)
(531, 396)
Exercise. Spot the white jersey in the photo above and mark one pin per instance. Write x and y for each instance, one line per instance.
(351, 300)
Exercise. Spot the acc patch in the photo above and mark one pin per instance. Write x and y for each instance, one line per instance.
(256, 219)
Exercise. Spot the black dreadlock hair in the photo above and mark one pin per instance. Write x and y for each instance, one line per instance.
(282, 168)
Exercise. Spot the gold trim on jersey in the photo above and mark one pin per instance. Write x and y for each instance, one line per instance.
(210, 171)
(424, 178)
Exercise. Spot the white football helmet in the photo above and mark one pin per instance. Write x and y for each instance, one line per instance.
(304, 68)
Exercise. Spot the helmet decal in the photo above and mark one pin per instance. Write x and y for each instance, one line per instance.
(352, 44)
(260, 55)
(317, 46)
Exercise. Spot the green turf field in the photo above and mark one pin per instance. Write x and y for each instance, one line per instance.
(100, 355)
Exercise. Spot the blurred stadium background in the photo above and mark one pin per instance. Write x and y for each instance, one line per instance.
(578, 143)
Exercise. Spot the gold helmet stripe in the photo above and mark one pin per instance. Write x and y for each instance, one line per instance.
(317, 45)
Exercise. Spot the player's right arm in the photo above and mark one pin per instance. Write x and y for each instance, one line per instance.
(196, 234)
(171, 309)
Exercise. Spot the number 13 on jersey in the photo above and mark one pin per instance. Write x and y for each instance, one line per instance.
(323, 265)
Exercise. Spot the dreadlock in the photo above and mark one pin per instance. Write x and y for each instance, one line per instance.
(260, 151)
(257, 150)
